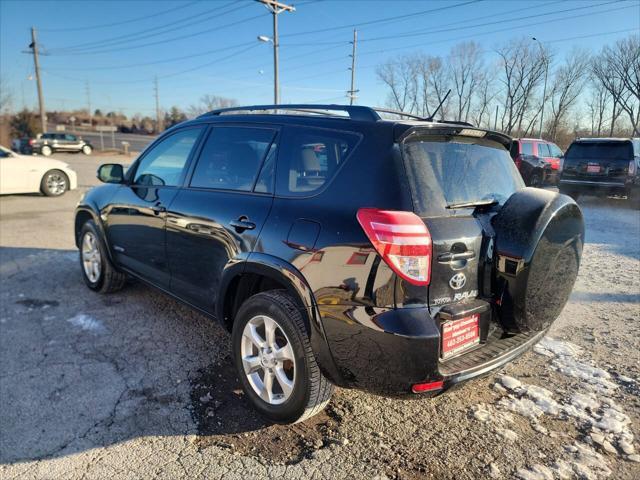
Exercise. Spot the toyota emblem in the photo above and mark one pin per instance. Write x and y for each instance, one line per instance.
(458, 281)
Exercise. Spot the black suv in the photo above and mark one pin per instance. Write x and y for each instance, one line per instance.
(338, 248)
(602, 167)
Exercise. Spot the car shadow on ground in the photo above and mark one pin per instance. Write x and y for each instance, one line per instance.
(82, 370)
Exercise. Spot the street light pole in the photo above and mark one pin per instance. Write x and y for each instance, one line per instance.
(275, 8)
(544, 89)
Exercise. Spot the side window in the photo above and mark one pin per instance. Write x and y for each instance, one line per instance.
(231, 158)
(543, 150)
(555, 150)
(309, 158)
(164, 163)
(267, 174)
(527, 148)
(70, 138)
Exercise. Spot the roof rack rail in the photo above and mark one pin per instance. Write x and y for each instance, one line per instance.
(398, 112)
(355, 112)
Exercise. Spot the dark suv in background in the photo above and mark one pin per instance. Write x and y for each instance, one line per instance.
(602, 167)
(48, 143)
(537, 160)
(338, 248)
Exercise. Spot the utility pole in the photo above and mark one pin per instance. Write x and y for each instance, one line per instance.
(158, 119)
(275, 8)
(36, 62)
(89, 104)
(353, 91)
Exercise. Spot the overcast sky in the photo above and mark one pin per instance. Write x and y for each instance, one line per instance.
(210, 47)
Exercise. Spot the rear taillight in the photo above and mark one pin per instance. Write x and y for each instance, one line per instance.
(632, 167)
(518, 161)
(402, 240)
(555, 163)
(31, 141)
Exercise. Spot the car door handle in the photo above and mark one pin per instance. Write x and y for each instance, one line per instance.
(452, 257)
(158, 209)
(242, 224)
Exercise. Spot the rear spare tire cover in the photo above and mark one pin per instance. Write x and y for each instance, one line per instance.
(539, 239)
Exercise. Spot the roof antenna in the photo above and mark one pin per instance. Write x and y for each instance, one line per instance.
(430, 118)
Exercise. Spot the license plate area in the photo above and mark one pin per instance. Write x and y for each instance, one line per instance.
(593, 168)
(459, 335)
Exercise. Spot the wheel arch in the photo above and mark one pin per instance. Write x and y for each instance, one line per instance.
(262, 272)
(83, 214)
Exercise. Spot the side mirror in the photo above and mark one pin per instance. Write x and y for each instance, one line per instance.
(111, 173)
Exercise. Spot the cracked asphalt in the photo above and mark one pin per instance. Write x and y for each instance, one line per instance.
(136, 385)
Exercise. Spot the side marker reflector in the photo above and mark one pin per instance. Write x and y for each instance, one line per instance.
(427, 387)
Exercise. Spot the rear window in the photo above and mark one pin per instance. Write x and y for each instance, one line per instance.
(447, 170)
(601, 150)
(527, 148)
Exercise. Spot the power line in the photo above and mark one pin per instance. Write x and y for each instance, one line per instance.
(121, 22)
(181, 37)
(108, 42)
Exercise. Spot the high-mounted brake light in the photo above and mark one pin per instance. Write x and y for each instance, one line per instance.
(402, 240)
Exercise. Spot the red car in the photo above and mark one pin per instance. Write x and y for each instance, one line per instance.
(537, 160)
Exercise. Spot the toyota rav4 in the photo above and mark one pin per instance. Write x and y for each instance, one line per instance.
(397, 256)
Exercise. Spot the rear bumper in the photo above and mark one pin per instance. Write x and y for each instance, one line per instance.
(597, 187)
(387, 352)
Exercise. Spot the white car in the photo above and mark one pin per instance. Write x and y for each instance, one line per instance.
(29, 174)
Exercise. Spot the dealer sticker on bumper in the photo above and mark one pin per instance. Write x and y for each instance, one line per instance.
(458, 335)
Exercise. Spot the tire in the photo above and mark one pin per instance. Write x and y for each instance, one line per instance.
(46, 150)
(107, 279)
(309, 391)
(572, 193)
(535, 180)
(86, 149)
(54, 183)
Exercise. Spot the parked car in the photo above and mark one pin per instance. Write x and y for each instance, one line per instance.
(28, 174)
(397, 257)
(537, 160)
(22, 145)
(49, 143)
(602, 167)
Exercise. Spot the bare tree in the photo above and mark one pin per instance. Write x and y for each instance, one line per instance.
(400, 76)
(568, 82)
(617, 68)
(597, 104)
(466, 66)
(523, 68)
(6, 98)
(210, 102)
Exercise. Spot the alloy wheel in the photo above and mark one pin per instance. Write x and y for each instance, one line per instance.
(91, 259)
(56, 183)
(268, 359)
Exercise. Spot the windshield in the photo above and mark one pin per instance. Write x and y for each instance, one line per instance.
(601, 151)
(446, 171)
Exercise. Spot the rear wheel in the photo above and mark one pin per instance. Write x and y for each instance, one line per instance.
(274, 361)
(46, 150)
(54, 183)
(97, 270)
(535, 180)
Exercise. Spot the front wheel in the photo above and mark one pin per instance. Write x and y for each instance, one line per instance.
(274, 361)
(46, 150)
(97, 270)
(54, 183)
(86, 149)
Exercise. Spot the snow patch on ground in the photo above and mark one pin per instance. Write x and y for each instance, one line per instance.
(86, 322)
(605, 425)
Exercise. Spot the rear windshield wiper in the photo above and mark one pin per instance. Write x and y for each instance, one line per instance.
(478, 203)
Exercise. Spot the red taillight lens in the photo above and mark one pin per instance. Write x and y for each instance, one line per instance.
(427, 387)
(518, 161)
(402, 240)
(31, 141)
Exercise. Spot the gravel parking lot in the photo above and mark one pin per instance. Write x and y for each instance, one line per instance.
(136, 385)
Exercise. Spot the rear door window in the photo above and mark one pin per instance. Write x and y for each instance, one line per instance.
(231, 158)
(310, 158)
(445, 170)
